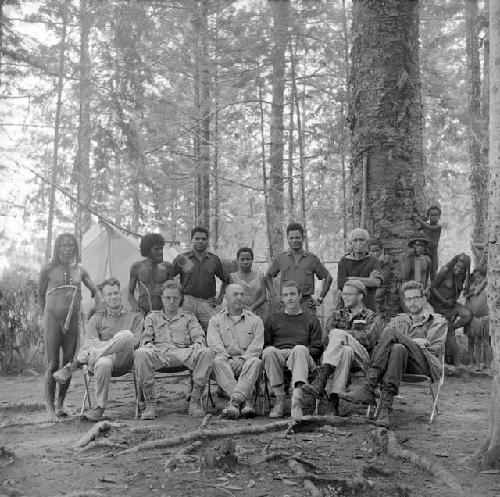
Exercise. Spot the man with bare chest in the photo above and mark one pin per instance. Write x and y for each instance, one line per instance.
(149, 274)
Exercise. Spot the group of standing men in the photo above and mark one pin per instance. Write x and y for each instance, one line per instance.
(181, 324)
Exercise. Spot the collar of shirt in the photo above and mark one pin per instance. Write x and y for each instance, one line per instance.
(121, 313)
(179, 315)
(191, 254)
(423, 318)
(297, 314)
(350, 255)
(243, 314)
(302, 252)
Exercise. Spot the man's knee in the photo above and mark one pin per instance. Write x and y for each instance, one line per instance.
(300, 350)
(270, 352)
(103, 365)
(387, 334)
(398, 350)
(205, 354)
(347, 352)
(337, 334)
(125, 337)
(142, 355)
(253, 362)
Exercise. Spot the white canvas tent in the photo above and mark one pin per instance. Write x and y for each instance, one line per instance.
(108, 252)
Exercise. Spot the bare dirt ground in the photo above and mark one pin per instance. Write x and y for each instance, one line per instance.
(46, 463)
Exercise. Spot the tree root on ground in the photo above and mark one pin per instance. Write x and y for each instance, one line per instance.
(306, 422)
(389, 443)
(182, 456)
(96, 431)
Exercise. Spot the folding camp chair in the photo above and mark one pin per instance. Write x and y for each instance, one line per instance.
(117, 375)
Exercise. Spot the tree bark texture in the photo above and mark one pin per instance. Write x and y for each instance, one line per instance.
(479, 169)
(82, 170)
(281, 22)
(203, 114)
(491, 457)
(385, 118)
(55, 157)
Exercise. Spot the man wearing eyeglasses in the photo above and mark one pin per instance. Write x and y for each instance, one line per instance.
(411, 343)
(351, 333)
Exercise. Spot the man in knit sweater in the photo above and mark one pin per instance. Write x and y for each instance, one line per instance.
(292, 338)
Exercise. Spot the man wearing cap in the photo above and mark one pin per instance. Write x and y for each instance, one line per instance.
(351, 334)
(415, 263)
(300, 266)
(360, 265)
(411, 343)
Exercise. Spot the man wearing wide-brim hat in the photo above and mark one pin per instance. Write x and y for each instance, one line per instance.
(415, 263)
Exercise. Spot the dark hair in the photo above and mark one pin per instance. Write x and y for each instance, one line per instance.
(112, 281)
(149, 241)
(295, 227)
(465, 260)
(199, 229)
(412, 285)
(244, 249)
(59, 242)
(290, 283)
(375, 241)
(433, 208)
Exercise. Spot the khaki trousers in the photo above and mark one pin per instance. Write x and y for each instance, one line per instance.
(344, 352)
(148, 359)
(108, 355)
(297, 360)
(247, 378)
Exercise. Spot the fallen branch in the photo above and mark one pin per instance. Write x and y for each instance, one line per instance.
(300, 471)
(181, 456)
(300, 423)
(388, 441)
(95, 432)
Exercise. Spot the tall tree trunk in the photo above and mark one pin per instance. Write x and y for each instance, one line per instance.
(281, 23)
(203, 114)
(82, 169)
(215, 138)
(386, 122)
(264, 168)
(291, 197)
(491, 458)
(479, 170)
(55, 158)
(1, 38)
(344, 145)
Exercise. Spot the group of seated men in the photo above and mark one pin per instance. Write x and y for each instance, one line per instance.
(238, 346)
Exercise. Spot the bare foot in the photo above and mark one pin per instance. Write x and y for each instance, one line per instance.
(52, 416)
(62, 412)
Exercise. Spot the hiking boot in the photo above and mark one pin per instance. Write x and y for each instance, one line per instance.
(196, 408)
(384, 410)
(317, 387)
(248, 410)
(94, 414)
(296, 411)
(150, 411)
(333, 404)
(279, 407)
(63, 375)
(363, 393)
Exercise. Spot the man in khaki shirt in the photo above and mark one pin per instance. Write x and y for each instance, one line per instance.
(172, 337)
(236, 337)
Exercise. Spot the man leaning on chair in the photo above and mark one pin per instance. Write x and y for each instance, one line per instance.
(411, 343)
(112, 333)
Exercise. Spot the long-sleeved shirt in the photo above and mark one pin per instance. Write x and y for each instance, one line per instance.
(301, 271)
(104, 326)
(236, 336)
(432, 327)
(183, 330)
(284, 331)
(368, 267)
(343, 319)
